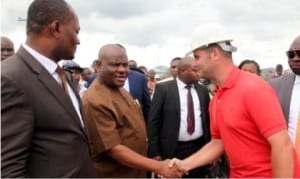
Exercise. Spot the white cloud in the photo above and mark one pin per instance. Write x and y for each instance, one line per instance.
(156, 31)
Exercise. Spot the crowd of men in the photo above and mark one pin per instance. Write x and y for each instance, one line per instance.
(67, 121)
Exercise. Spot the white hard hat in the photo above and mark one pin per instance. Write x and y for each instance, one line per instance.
(224, 44)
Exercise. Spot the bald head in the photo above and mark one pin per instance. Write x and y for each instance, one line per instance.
(110, 50)
(5, 40)
(294, 56)
(295, 44)
(113, 65)
(188, 70)
(7, 47)
(185, 62)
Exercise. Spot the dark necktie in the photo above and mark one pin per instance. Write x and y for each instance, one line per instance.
(190, 112)
(63, 79)
(64, 85)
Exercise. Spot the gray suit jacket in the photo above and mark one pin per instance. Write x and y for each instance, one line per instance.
(284, 86)
(41, 135)
(164, 118)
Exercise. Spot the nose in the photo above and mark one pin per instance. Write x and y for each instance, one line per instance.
(77, 41)
(123, 68)
(6, 51)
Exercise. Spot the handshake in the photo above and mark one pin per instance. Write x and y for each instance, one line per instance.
(171, 168)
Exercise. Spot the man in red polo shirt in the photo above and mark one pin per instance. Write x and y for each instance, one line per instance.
(246, 120)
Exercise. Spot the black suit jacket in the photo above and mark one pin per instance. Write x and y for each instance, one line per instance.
(41, 135)
(164, 118)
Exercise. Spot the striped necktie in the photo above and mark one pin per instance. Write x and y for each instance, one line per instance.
(63, 79)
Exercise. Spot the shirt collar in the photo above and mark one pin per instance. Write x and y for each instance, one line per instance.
(297, 79)
(181, 84)
(231, 79)
(45, 61)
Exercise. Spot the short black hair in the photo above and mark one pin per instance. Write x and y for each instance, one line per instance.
(249, 62)
(176, 58)
(42, 12)
(279, 67)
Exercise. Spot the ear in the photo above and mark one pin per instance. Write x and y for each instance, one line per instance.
(214, 53)
(99, 66)
(55, 27)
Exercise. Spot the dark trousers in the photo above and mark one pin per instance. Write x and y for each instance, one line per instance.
(185, 149)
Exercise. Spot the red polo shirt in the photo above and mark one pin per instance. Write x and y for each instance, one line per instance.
(244, 113)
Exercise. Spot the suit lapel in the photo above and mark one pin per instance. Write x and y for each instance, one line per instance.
(200, 97)
(49, 82)
(132, 85)
(289, 84)
(81, 112)
(175, 97)
(57, 92)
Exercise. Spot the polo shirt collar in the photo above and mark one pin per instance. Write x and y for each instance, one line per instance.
(231, 79)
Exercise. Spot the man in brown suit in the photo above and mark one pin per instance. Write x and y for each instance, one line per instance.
(115, 122)
(43, 131)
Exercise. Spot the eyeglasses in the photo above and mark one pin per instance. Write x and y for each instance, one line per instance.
(7, 49)
(292, 53)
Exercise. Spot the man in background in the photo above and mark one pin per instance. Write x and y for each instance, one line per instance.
(75, 70)
(151, 81)
(86, 73)
(288, 90)
(178, 122)
(136, 85)
(173, 69)
(91, 78)
(278, 71)
(7, 48)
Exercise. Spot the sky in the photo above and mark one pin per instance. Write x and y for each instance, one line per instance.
(156, 31)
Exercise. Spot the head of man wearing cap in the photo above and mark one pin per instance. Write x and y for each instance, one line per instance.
(74, 69)
(212, 56)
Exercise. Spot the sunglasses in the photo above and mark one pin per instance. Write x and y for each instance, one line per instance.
(292, 54)
(7, 49)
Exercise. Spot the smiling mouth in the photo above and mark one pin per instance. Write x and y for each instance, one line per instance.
(121, 78)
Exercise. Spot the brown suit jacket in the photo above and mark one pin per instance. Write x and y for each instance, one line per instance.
(41, 135)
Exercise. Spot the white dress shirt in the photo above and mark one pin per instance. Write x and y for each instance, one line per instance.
(126, 85)
(183, 133)
(294, 109)
(51, 66)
